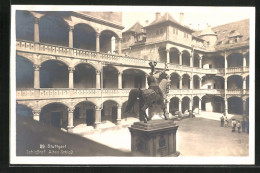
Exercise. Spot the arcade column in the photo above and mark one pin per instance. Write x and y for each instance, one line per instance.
(70, 120)
(36, 114)
(97, 116)
(36, 75)
(71, 70)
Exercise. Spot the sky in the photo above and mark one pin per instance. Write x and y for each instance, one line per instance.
(195, 16)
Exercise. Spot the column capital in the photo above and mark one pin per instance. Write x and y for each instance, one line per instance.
(36, 20)
(119, 39)
(98, 108)
(98, 72)
(120, 72)
(71, 109)
(180, 53)
(36, 112)
(36, 67)
(167, 50)
(71, 28)
(97, 34)
(71, 69)
(119, 106)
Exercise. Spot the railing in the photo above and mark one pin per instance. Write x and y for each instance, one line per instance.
(234, 91)
(234, 69)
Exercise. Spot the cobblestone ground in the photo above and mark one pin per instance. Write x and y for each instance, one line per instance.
(195, 137)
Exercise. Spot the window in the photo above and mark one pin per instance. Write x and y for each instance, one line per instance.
(186, 35)
(175, 31)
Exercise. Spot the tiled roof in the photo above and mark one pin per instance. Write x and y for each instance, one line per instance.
(137, 28)
(167, 18)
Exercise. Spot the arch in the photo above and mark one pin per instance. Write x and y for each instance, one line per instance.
(84, 36)
(219, 82)
(108, 41)
(84, 76)
(185, 106)
(131, 68)
(235, 60)
(52, 58)
(55, 114)
(109, 111)
(88, 63)
(218, 104)
(23, 110)
(110, 77)
(84, 113)
(185, 81)
(54, 29)
(196, 60)
(133, 78)
(174, 105)
(185, 58)
(196, 82)
(175, 80)
(24, 72)
(134, 112)
(219, 61)
(108, 30)
(54, 75)
(24, 25)
(235, 105)
(234, 82)
(195, 102)
(174, 55)
(162, 54)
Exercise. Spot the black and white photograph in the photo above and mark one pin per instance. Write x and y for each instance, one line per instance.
(132, 85)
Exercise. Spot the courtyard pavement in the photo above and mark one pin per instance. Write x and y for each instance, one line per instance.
(199, 136)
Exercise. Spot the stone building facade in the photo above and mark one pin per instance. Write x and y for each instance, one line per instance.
(68, 73)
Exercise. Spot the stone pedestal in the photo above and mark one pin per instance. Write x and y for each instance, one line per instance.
(154, 138)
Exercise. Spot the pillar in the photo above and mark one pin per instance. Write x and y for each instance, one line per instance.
(244, 107)
(98, 116)
(70, 119)
(180, 58)
(200, 62)
(225, 58)
(97, 42)
(180, 82)
(191, 83)
(225, 80)
(119, 46)
(97, 79)
(190, 104)
(191, 61)
(226, 107)
(180, 106)
(36, 30)
(36, 75)
(71, 36)
(36, 114)
(244, 62)
(119, 80)
(168, 55)
(199, 106)
(71, 69)
(200, 83)
(119, 108)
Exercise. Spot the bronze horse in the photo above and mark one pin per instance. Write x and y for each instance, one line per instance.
(147, 98)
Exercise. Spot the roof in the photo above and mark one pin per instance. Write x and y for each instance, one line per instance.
(137, 28)
(207, 31)
(167, 18)
(228, 31)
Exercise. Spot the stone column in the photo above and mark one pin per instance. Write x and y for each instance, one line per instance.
(191, 61)
(119, 108)
(168, 55)
(119, 80)
(200, 83)
(200, 61)
(71, 80)
(36, 114)
(98, 116)
(180, 78)
(244, 62)
(199, 106)
(191, 83)
(71, 28)
(180, 106)
(97, 42)
(70, 120)
(36, 30)
(225, 59)
(225, 85)
(97, 79)
(36, 75)
(180, 58)
(244, 107)
(226, 107)
(119, 40)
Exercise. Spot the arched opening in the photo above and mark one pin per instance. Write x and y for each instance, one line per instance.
(174, 105)
(196, 60)
(55, 114)
(235, 105)
(204, 100)
(109, 111)
(219, 82)
(24, 25)
(185, 105)
(110, 77)
(24, 73)
(107, 40)
(235, 60)
(211, 103)
(234, 82)
(133, 78)
(134, 113)
(207, 62)
(84, 76)
(162, 54)
(84, 113)
(23, 111)
(54, 30)
(219, 61)
(208, 82)
(247, 82)
(195, 106)
(175, 81)
(84, 37)
(185, 81)
(196, 82)
(174, 56)
(54, 74)
(186, 58)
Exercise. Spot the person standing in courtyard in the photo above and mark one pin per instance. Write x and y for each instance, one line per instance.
(233, 125)
(238, 126)
(222, 121)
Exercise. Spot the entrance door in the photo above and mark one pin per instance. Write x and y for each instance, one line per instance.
(56, 119)
(90, 117)
(114, 114)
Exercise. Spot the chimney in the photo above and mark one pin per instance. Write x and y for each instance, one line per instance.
(146, 22)
(157, 15)
(181, 18)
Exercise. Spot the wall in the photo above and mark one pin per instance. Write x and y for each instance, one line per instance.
(179, 38)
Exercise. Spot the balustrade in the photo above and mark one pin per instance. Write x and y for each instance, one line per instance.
(234, 69)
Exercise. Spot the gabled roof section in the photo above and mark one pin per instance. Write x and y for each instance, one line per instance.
(137, 28)
(167, 18)
(207, 31)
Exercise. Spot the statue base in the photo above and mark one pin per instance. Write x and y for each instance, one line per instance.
(154, 138)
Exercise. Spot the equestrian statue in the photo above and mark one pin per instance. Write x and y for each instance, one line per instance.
(155, 94)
